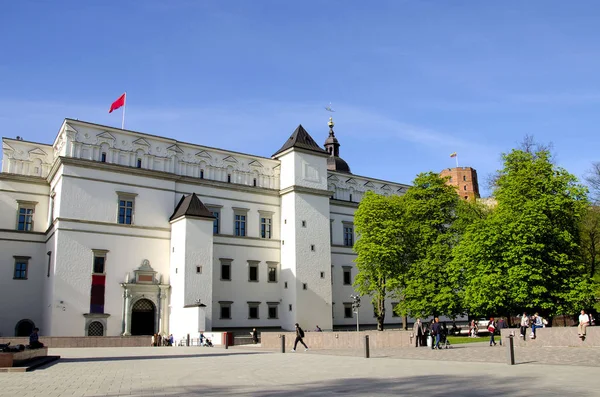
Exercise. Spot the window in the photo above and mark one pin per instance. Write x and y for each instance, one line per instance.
(253, 313)
(253, 270)
(49, 253)
(239, 226)
(216, 212)
(348, 235)
(272, 310)
(350, 196)
(228, 178)
(466, 197)
(304, 286)
(272, 277)
(312, 247)
(394, 314)
(285, 285)
(103, 157)
(99, 261)
(226, 269)
(254, 182)
(303, 223)
(331, 231)
(322, 274)
(21, 265)
(95, 329)
(25, 218)
(265, 227)
(348, 310)
(139, 163)
(290, 307)
(199, 269)
(465, 187)
(225, 310)
(464, 178)
(201, 174)
(126, 208)
(347, 276)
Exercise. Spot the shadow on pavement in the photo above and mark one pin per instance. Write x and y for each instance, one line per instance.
(434, 385)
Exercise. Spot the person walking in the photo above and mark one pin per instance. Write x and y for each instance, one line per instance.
(492, 329)
(436, 330)
(524, 324)
(584, 321)
(501, 325)
(299, 336)
(418, 332)
(254, 336)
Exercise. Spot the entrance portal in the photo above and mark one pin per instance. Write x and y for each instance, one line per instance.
(142, 318)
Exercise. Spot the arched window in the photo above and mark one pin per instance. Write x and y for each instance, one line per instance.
(24, 327)
(95, 329)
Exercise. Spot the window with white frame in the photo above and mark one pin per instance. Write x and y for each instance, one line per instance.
(21, 267)
(25, 215)
(240, 216)
(253, 271)
(216, 212)
(348, 234)
(272, 272)
(266, 222)
(125, 214)
(99, 264)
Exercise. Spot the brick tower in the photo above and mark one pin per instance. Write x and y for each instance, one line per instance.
(465, 180)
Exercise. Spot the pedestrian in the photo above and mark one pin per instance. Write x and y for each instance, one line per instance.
(536, 323)
(254, 336)
(418, 332)
(436, 330)
(584, 321)
(299, 336)
(34, 339)
(501, 324)
(171, 340)
(492, 329)
(524, 324)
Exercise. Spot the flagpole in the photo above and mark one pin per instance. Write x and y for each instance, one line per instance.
(124, 106)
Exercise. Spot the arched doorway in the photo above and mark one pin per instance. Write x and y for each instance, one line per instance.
(24, 328)
(142, 318)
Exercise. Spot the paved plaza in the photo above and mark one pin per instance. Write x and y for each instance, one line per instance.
(251, 371)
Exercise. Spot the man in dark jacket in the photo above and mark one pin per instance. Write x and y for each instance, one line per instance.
(436, 330)
(299, 336)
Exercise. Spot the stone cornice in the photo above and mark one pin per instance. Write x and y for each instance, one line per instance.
(303, 189)
(24, 178)
(343, 203)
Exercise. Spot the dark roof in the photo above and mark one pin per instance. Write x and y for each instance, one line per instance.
(191, 206)
(301, 139)
(335, 163)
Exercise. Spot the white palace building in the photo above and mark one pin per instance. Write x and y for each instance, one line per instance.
(115, 232)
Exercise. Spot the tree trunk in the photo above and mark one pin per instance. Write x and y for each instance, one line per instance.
(405, 322)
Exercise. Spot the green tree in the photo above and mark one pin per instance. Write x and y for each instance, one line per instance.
(380, 249)
(590, 239)
(432, 209)
(525, 254)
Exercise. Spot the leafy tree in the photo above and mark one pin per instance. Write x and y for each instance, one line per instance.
(431, 210)
(590, 239)
(380, 248)
(525, 254)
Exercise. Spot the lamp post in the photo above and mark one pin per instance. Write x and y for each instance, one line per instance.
(355, 306)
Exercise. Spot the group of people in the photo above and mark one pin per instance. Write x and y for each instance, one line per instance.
(158, 340)
(438, 331)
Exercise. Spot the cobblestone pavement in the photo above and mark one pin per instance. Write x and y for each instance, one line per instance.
(482, 352)
(251, 371)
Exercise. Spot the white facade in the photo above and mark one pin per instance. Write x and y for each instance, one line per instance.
(75, 265)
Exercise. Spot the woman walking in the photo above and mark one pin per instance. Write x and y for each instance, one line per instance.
(492, 329)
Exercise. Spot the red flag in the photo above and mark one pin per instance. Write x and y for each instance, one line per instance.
(117, 104)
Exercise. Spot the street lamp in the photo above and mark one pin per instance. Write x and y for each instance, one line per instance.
(355, 306)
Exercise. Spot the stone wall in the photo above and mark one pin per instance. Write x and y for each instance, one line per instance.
(84, 341)
(555, 337)
(340, 340)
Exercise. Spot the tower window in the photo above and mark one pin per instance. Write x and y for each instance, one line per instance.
(464, 178)
(465, 187)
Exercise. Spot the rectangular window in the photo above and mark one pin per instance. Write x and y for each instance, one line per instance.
(216, 222)
(290, 307)
(103, 157)
(99, 264)
(49, 262)
(253, 313)
(253, 270)
(25, 216)
(348, 235)
(265, 227)
(285, 285)
(272, 273)
(199, 269)
(239, 224)
(228, 178)
(273, 311)
(254, 182)
(304, 286)
(225, 310)
(322, 274)
(347, 276)
(303, 223)
(126, 208)
(226, 271)
(312, 247)
(139, 163)
(21, 267)
(348, 310)
(201, 174)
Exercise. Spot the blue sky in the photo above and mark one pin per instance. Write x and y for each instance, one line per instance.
(411, 81)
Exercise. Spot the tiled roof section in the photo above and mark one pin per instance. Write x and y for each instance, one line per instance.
(301, 139)
(191, 206)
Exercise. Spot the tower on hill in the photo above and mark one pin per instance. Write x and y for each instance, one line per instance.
(465, 180)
